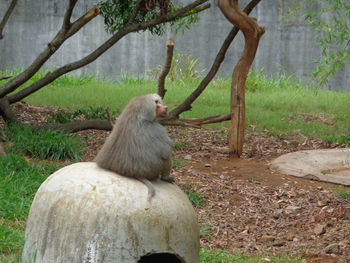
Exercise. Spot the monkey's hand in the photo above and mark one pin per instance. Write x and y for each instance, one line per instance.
(167, 178)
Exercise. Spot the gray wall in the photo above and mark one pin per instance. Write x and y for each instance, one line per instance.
(287, 46)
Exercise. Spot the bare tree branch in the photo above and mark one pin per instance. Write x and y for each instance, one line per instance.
(7, 77)
(209, 120)
(68, 14)
(186, 105)
(57, 41)
(6, 17)
(166, 69)
(100, 50)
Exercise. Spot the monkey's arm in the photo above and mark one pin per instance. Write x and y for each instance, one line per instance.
(165, 175)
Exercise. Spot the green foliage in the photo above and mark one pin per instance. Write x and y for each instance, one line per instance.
(343, 194)
(221, 256)
(86, 112)
(184, 68)
(197, 199)
(206, 232)
(93, 112)
(180, 145)
(43, 144)
(260, 81)
(10, 240)
(117, 14)
(343, 140)
(181, 24)
(19, 181)
(177, 163)
(332, 27)
(62, 116)
(13, 258)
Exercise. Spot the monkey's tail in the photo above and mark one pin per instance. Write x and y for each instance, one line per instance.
(151, 190)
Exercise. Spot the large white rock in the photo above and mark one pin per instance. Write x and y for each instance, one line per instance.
(83, 213)
(328, 165)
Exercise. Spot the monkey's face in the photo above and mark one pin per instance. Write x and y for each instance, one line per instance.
(149, 107)
(161, 110)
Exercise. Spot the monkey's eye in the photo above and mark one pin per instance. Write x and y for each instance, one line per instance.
(157, 101)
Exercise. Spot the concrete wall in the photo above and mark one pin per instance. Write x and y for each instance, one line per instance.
(287, 46)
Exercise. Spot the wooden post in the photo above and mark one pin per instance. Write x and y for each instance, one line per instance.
(166, 69)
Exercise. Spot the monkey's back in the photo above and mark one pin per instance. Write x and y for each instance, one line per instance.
(136, 148)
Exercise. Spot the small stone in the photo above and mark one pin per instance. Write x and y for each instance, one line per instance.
(207, 165)
(320, 188)
(285, 185)
(292, 209)
(188, 157)
(319, 229)
(333, 249)
(222, 177)
(277, 213)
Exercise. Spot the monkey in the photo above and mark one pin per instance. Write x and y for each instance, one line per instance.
(139, 146)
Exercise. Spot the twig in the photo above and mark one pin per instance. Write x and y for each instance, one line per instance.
(6, 17)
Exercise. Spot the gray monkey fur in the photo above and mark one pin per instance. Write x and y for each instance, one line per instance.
(138, 146)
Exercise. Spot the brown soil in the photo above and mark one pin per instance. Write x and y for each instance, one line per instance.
(247, 207)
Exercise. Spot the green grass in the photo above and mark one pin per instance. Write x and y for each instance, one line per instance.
(196, 199)
(343, 194)
(209, 256)
(342, 140)
(19, 181)
(278, 106)
(12, 239)
(43, 144)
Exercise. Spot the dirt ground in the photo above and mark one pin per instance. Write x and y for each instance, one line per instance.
(250, 208)
(247, 207)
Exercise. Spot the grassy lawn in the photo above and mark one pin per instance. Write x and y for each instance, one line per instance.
(278, 106)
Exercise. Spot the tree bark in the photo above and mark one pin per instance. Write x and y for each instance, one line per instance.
(6, 17)
(252, 33)
(186, 105)
(169, 57)
(5, 110)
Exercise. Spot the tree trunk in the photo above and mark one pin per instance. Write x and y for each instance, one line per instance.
(252, 33)
(6, 112)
